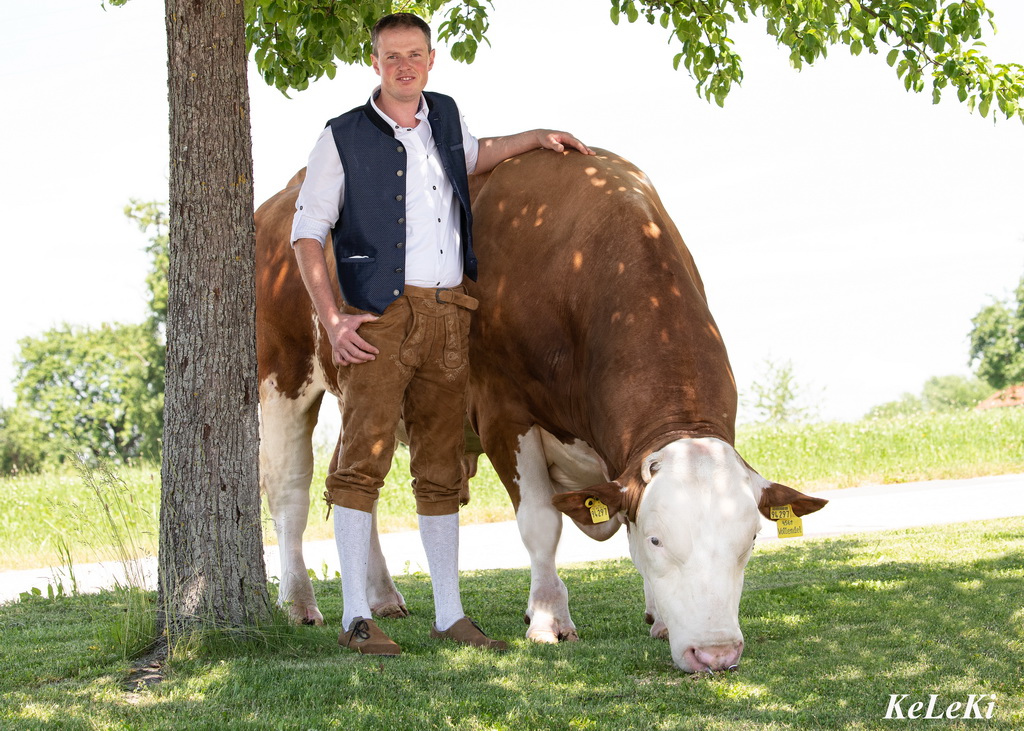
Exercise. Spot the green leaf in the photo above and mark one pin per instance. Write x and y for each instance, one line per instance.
(893, 55)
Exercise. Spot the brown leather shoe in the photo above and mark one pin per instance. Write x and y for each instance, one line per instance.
(467, 632)
(366, 638)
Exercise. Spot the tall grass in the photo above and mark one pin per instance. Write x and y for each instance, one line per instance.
(38, 511)
(883, 451)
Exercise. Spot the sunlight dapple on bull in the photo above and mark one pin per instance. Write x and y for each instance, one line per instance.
(600, 388)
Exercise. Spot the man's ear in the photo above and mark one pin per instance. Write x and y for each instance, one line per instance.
(776, 495)
(577, 505)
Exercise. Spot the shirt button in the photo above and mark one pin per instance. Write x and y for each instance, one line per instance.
(400, 173)
(435, 187)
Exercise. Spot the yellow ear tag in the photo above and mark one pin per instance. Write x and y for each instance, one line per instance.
(789, 524)
(598, 510)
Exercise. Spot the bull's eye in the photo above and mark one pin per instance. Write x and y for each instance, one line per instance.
(655, 541)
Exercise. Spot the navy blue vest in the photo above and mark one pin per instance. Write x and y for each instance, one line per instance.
(369, 237)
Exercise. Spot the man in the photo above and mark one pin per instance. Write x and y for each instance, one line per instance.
(389, 180)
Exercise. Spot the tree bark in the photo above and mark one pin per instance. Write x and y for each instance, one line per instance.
(211, 569)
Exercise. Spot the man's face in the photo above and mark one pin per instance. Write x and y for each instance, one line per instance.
(403, 63)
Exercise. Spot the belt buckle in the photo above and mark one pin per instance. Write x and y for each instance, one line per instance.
(437, 295)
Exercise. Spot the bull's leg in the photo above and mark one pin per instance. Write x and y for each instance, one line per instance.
(540, 525)
(385, 599)
(286, 469)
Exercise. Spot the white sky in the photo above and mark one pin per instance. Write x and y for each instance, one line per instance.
(838, 221)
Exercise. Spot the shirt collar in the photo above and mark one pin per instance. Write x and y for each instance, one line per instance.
(421, 115)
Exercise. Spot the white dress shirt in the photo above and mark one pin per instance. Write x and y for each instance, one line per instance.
(433, 246)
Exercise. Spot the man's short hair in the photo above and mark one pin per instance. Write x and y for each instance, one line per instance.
(398, 20)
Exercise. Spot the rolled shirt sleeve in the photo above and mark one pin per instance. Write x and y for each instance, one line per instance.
(320, 198)
(470, 146)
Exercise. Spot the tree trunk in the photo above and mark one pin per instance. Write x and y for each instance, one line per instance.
(211, 571)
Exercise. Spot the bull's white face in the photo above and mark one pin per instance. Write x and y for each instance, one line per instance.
(694, 533)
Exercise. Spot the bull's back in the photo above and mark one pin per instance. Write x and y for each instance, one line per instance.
(592, 310)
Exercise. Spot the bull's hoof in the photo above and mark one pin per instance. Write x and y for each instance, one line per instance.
(542, 637)
(551, 635)
(308, 616)
(391, 611)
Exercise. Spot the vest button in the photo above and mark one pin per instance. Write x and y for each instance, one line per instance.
(401, 220)
(399, 245)
(399, 270)
(396, 293)
(400, 173)
(398, 197)
(400, 148)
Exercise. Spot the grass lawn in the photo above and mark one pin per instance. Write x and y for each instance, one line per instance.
(833, 627)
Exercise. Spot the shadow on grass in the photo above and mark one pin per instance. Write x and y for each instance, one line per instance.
(833, 627)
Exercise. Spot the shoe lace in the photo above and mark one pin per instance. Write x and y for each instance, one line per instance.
(360, 630)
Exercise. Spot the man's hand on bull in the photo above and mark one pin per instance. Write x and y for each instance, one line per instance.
(348, 346)
(555, 140)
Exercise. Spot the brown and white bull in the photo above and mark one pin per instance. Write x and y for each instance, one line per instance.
(599, 382)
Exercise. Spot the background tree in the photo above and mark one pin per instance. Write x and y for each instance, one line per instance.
(997, 341)
(939, 394)
(778, 398)
(151, 218)
(22, 448)
(97, 391)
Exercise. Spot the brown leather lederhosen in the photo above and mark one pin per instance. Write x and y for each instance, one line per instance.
(420, 375)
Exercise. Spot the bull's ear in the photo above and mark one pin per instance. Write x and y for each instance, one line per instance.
(776, 495)
(650, 466)
(578, 505)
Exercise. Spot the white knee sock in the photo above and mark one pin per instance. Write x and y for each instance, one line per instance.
(440, 536)
(352, 536)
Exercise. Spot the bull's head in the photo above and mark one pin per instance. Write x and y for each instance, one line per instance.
(692, 520)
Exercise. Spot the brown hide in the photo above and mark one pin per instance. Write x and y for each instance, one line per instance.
(285, 339)
(593, 321)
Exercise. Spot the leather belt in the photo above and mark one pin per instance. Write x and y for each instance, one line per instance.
(443, 295)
